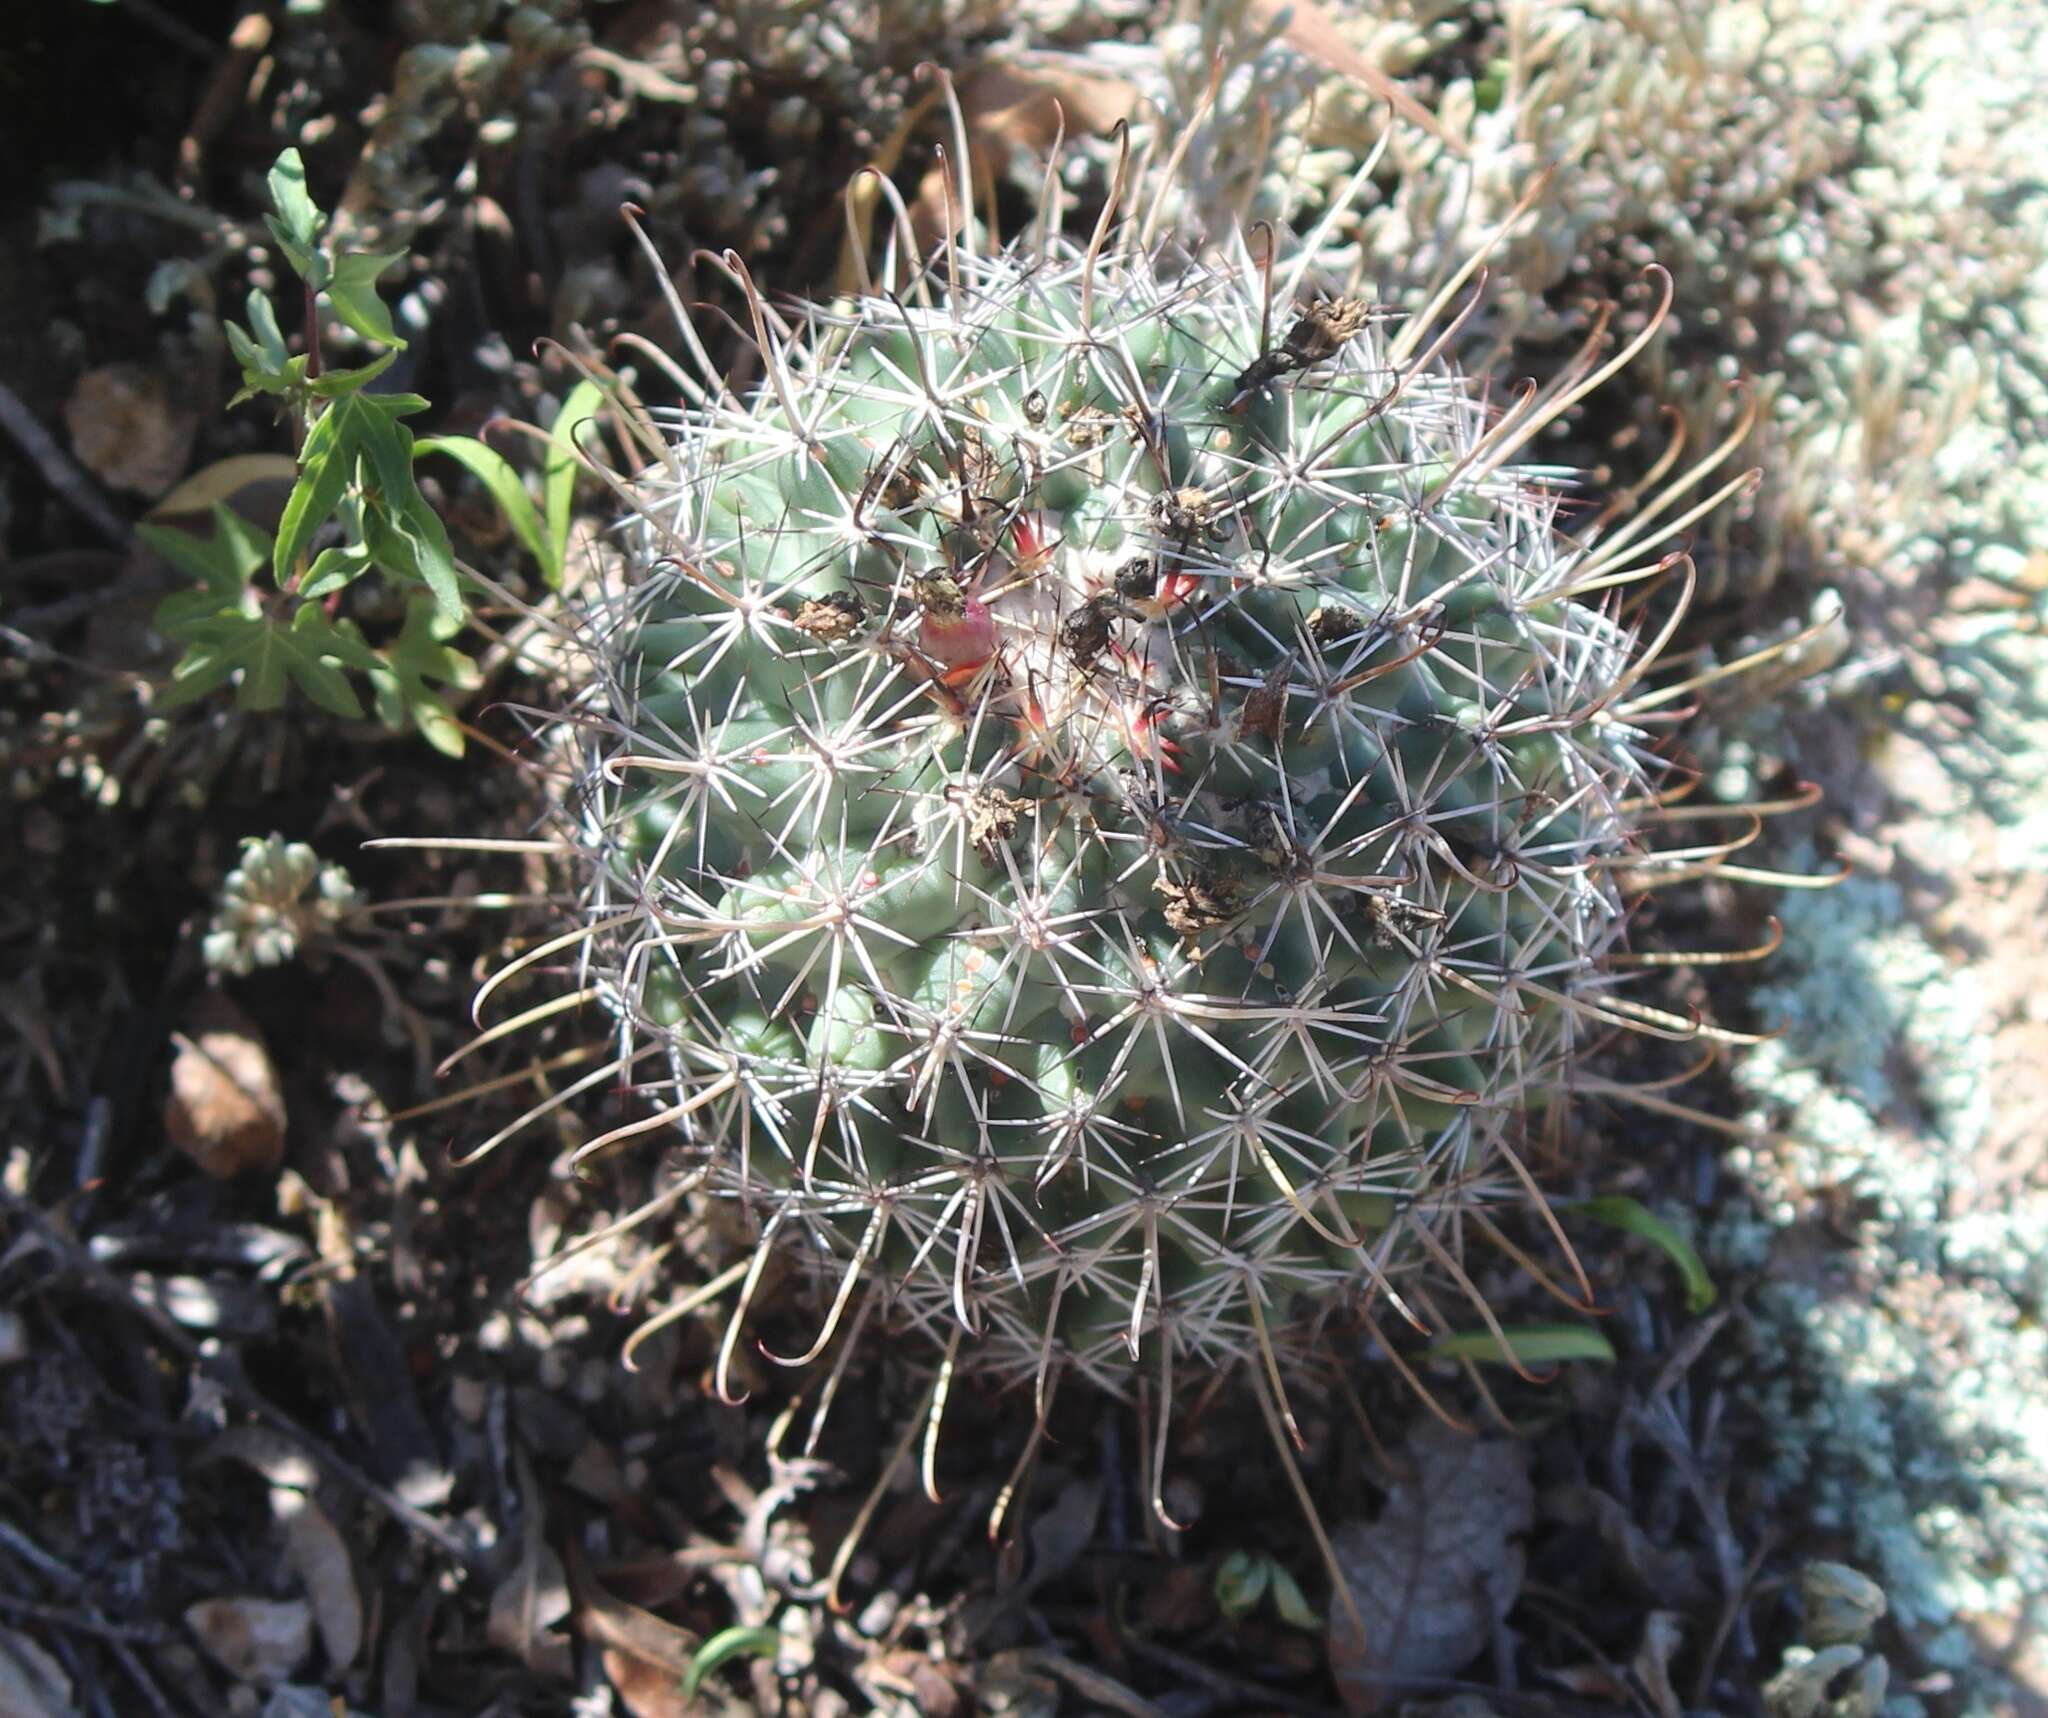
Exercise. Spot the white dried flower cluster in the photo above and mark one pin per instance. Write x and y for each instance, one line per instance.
(273, 905)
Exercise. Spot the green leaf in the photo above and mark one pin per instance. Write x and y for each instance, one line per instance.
(263, 324)
(223, 564)
(268, 366)
(297, 222)
(333, 384)
(413, 545)
(333, 570)
(270, 656)
(436, 556)
(326, 464)
(1634, 1218)
(420, 655)
(498, 475)
(727, 1644)
(1530, 1344)
(558, 476)
(395, 406)
(385, 446)
(352, 290)
(1241, 1581)
(255, 366)
(1292, 1603)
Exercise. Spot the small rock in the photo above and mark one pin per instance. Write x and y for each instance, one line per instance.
(469, 1397)
(129, 429)
(226, 1111)
(13, 1338)
(254, 1640)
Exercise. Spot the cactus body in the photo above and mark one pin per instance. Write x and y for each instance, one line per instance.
(1107, 803)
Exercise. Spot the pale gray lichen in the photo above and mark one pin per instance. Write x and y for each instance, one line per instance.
(1903, 1387)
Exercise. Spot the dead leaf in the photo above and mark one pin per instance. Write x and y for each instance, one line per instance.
(129, 428)
(645, 1658)
(1663, 1635)
(253, 1640)
(1593, 1682)
(1013, 106)
(1012, 1685)
(1314, 31)
(535, 1596)
(313, 1549)
(614, 1624)
(1668, 1578)
(1435, 1574)
(32, 1683)
(266, 1452)
(646, 1690)
(315, 1553)
(1060, 1534)
(225, 1111)
(223, 480)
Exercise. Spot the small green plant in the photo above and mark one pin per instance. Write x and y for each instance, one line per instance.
(544, 531)
(1247, 1579)
(355, 482)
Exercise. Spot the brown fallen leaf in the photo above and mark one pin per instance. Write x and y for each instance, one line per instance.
(535, 1596)
(1435, 1574)
(611, 1622)
(1315, 31)
(646, 1690)
(129, 428)
(913, 1673)
(316, 1554)
(253, 1640)
(1014, 103)
(313, 1548)
(226, 1110)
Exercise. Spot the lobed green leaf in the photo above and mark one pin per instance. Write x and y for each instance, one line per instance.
(352, 290)
(412, 663)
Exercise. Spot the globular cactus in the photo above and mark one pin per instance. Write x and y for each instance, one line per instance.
(1109, 797)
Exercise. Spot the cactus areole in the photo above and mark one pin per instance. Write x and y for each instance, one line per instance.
(1106, 796)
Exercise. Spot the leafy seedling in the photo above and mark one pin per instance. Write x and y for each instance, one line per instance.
(264, 616)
